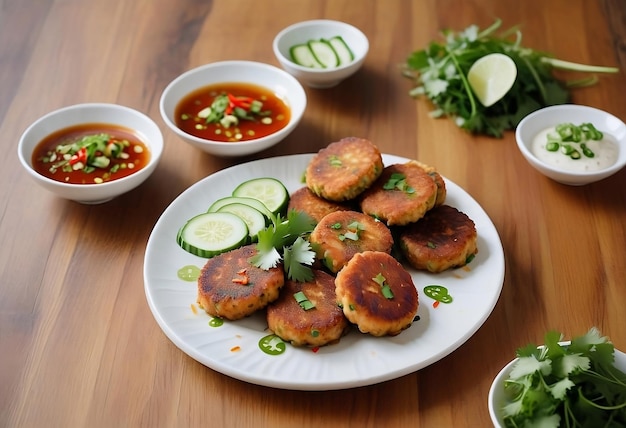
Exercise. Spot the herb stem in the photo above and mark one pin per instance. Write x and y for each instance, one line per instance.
(538, 80)
(489, 30)
(574, 66)
(466, 86)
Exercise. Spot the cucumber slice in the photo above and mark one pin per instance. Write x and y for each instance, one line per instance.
(302, 55)
(254, 219)
(209, 234)
(324, 53)
(268, 190)
(252, 202)
(342, 49)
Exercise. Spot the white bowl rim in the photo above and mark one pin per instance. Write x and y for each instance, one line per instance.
(295, 117)
(155, 150)
(611, 169)
(312, 22)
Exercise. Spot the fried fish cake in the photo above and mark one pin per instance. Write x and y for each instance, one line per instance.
(230, 287)
(401, 195)
(360, 288)
(306, 201)
(344, 169)
(342, 234)
(321, 325)
(443, 239)
(439, 181)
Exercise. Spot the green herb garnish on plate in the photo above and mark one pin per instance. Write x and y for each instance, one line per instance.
(286, 240)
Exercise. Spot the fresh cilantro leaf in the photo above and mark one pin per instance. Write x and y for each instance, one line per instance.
(571, 363)
(283, 241)
(301, 251)
(530, 365)
(267, 256)
(296, 257)
(300, 223)
(559, 389)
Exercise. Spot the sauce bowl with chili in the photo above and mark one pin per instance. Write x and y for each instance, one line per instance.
(91, 153)
(233, 108)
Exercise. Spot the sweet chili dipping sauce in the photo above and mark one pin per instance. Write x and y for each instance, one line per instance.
(231, 112)
(90, 153)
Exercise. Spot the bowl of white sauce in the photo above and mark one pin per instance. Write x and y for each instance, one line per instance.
(573, 144)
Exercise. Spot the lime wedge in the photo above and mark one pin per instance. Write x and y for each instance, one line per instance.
(491, 77)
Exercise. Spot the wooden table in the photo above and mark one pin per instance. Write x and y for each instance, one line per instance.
(78, 343)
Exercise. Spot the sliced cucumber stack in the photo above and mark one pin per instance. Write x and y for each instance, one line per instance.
(254, 219)
(209, 234)
(252, 202)
(268, 190)
(235, 220)
(322, 53)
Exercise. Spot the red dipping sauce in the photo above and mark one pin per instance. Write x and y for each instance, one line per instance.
(202, 112)
(90, 153)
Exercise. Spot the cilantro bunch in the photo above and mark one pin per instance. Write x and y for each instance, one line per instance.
(286, 240)
(440, 74)
(566, 385)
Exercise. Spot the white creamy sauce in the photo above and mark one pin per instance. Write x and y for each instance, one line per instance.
(605, 152)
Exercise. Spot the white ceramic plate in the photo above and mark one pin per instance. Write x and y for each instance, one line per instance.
(236, 347)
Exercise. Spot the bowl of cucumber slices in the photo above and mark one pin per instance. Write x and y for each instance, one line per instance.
(321, 52)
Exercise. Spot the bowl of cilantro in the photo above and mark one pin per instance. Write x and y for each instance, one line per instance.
(581, 382)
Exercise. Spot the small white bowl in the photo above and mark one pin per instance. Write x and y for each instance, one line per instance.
(78, 114)
(267, 76)
(302, 32)
(497, 398)
(551, 116)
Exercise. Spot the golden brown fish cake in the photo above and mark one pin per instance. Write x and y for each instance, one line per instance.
(443, 239)
(306, 201)
(401, 195)
(342, 234)
(439, 181)
(359, 291)
(230, 287)
(344, 169)
(321, 325)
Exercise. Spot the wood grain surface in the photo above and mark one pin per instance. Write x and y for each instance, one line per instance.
(79, 346)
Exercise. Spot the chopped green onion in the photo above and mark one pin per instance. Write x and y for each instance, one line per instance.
(303, 301)
(397, 181)
(335, 160)
(384, 287)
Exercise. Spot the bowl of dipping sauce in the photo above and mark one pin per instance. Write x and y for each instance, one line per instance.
(321, 52)
(233, 108)
(91, 153)
(573, 144)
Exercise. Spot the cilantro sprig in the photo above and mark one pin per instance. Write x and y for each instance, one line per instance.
(440, 74)
(286, 239)
(566, 385)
